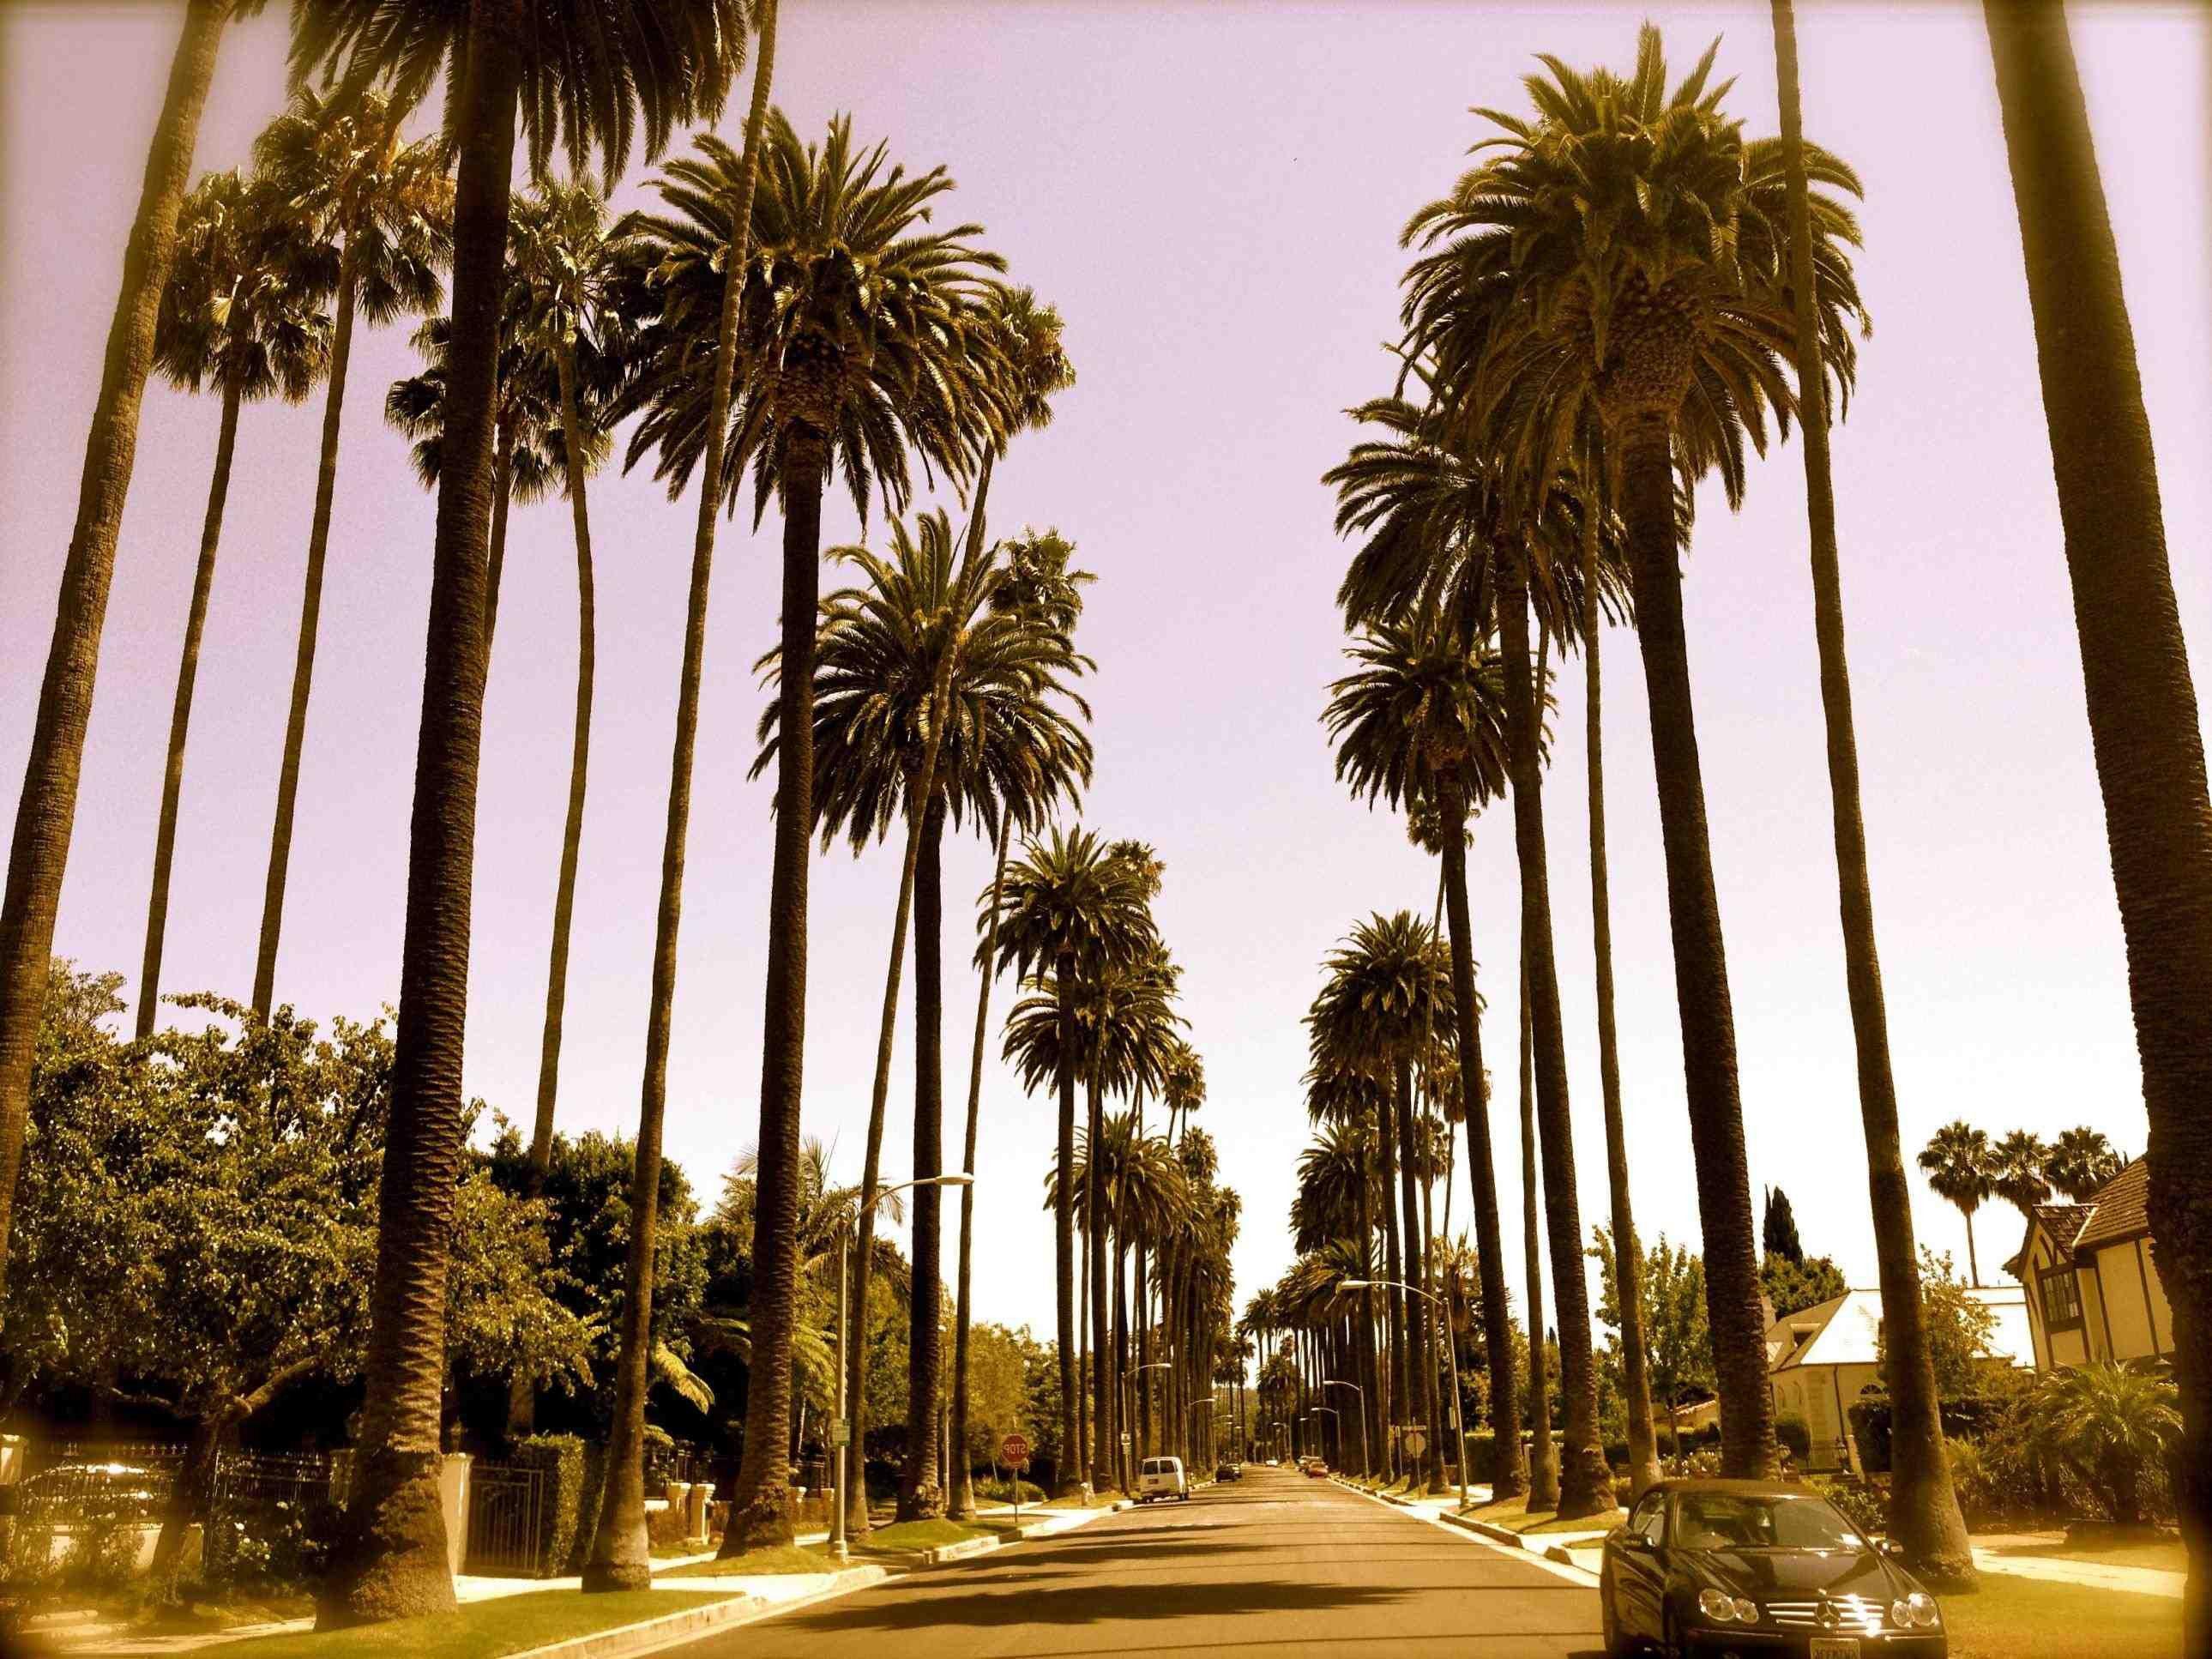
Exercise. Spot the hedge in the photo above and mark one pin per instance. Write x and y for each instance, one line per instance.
(1794, 1432)
(565, 1529)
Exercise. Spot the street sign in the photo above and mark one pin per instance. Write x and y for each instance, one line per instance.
(841, 1433)
(1015, 1449)
(1125, 1439)
(1415, 1443)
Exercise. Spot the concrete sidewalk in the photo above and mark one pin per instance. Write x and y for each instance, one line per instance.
(2012, 1554)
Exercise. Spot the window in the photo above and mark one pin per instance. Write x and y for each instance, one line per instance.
(2062, 1300)
(1650, 1518)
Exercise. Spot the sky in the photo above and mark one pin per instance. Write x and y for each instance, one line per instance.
(1212, 194)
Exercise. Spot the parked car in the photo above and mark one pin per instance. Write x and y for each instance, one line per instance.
(1716, 1567)
(1314, 1467)
(1230, 1472)
(70, 1493)
(1162, 1477)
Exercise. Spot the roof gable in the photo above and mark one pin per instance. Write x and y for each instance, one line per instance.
(2117, 1210)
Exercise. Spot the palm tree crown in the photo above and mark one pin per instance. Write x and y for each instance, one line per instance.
(243, 307)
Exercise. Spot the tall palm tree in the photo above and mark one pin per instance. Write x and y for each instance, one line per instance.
(1960, 1168)
(1924, 1511)
(1574, 276)
(242, 313)
(2144, 722)
(2017, 1170)
(46, 812)
(1422, 725)
(1067, 907)
(934, 698)
(382, 210)
(587, 75)
(860, 335)
(2081, 1161)
(1044, 588)
(1543, 1456)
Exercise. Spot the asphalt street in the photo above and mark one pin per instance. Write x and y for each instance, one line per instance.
(1275, 1564)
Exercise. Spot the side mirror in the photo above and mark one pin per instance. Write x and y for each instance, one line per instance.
(1890, 1547)
(1635, 1540)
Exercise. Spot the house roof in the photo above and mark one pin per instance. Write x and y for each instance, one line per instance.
(1846, 1330)
(2117, 1209)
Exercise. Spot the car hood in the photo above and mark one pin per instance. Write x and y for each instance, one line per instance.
(1756, 1572)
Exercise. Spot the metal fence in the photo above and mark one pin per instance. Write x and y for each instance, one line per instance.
(509, 1522)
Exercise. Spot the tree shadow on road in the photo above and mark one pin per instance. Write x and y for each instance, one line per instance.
(976, 1606)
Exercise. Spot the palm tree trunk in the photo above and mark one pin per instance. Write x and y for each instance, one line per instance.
(1974, 1267)
(391, 1560)
(1393, 1262)
(45, 813)
(1420, 1326)
(1701, 987)
(1509, 1475)
(1585, 1481)
(303, 664)
(963, 1503)
(180, 715)
(1121, 1342)
(1094, 1236)
(1923, 1511)
(921, 1493)
(1074, 1460)
(1435, 1326)
(1371, 1405)
(502, 483)
(1628, 1255)
(2144, 721)
(1544, 1458)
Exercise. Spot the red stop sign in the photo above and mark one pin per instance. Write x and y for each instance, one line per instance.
(1015, 1448)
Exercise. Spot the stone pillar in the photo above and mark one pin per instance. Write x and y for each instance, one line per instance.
(12, 1448)
(695, 1511)
(453, 1499)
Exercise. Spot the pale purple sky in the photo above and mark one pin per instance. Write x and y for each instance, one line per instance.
(1211, 195)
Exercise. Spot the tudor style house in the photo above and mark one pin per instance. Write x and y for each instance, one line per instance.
(2092, 1289)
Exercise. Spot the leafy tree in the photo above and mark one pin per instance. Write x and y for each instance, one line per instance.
(2145, 720)
(1793, 1286)
(242, 313)
(1674, 1314)
(588, 74)
(1778, 1228)
(1960, 1327)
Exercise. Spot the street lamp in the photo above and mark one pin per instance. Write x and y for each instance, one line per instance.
(1129, 1399)
(1338, 1416)
(1367, 1463)
(1451, 1352)
(845, 1430)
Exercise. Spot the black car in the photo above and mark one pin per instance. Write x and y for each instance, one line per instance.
(1738, 1569)
(1230, 1472)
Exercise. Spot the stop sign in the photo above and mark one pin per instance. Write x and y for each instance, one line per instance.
(1015, 1448)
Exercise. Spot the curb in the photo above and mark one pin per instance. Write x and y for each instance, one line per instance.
(961, 1550)
(683, 1626)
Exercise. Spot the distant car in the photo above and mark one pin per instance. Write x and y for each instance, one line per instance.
(1161, 1478)
(1316, 1467)
(1274, 1463)
(1230, 1472)
(1714, 1567)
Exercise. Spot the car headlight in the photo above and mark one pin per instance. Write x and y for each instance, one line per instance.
(1720, 1607)
(1746, 1611)
(1922, 1608)
(1900, 1613)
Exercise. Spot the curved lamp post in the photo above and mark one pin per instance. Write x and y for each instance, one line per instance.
(1367, 1463)
(847, 1431)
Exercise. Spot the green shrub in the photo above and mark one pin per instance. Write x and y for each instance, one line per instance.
(1482, 1456)
(587, 1506)
(1002, 1492)
(1793, 1432)
(1859, 1502)
(564, 1456)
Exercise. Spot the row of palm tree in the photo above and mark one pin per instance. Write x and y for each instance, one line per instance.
(1603, 311)
(1966, 1168)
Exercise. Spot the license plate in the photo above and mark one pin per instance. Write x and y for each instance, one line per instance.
(1834, 1647)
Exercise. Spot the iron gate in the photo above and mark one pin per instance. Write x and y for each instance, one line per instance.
(508, 1520)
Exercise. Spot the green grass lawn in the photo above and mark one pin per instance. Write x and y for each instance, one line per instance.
(2169, 1555)
(910, 1535)
(483, 1629)
(1514, 1515)
(782, 1559)
(2012, 1616)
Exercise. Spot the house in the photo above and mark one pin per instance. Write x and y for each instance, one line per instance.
(1821, 1359)
(2092, 1289)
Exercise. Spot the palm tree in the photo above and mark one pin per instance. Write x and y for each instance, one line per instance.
(1543, 1456)
(1043, 588)
(2080, 1162)
(382, 210)
(1924, 1511)
(1960, 1167)
(859, 334)
(1067, 907)
(242, 313)
(933, 697)
(2144, 721)
(2017, 1170)
(588, 76)
(1574, 276)
(45, 813)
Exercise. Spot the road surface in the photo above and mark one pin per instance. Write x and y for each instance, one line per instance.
(1273, 1566)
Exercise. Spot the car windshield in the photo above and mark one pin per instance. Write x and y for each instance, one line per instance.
(1732, 1521)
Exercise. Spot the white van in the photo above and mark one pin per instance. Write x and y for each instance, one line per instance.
(1162, 1477)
